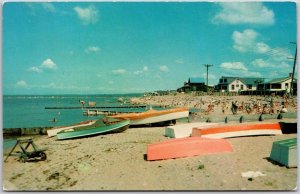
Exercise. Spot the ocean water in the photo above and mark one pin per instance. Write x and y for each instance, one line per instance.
(24, 111)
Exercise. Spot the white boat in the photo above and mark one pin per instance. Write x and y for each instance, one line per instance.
(53, 132)
(238, 130)
(154, 116)
(185, 130)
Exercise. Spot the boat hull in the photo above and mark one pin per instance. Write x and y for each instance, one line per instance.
(76, 133)
(185, 130)
(53, 132)
(160, 118)
(238, 130)
(154, 116)
(186, 147)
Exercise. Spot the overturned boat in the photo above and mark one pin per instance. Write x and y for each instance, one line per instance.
(187, 147)
(238, 130)
(101, 126)
(154, 116)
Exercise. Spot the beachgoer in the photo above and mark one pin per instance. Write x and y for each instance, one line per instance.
(283, 110)
(223, 106)
(233, 107)
(82, 103)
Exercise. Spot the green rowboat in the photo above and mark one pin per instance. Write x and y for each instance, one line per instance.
(101, 126)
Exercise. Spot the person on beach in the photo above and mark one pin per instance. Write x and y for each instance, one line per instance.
(223, 106)
(234, 107)
(283, 110)
(82, 103)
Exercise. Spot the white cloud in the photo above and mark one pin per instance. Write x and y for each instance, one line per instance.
(92, 49)
(43, 6)
(22, 84)
(234, 66)
(270, 63)
(164, 68)
(139, 72)
(261, 63)
(87, 15)
(238, 69)
(244, 13)
(244, 41)
(281, 54)
(48, 64)
(119, 71)
(262, 47)
(35, 69)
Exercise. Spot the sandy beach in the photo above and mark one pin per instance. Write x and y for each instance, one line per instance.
(118, 162)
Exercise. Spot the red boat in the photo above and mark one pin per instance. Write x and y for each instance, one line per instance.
(186, 147)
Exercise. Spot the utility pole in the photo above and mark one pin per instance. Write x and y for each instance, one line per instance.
(207, 66)
(295, 59)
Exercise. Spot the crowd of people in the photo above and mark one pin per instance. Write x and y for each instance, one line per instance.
(224, 105)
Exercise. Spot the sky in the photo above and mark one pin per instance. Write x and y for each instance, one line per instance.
(136, 47)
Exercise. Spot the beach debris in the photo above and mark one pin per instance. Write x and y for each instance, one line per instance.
(201, 166)
(54, 176)
(251, 174)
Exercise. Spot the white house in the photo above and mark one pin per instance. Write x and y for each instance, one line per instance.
(278, 85)
(238, 84)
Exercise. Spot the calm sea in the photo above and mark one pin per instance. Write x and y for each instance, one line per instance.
(20, 111)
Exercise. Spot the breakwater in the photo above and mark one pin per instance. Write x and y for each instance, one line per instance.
(25, 131)
(100, 107)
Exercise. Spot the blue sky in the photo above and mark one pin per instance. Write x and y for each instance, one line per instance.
(106, 47)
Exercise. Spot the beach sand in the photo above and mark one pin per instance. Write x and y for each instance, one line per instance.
(118, 162)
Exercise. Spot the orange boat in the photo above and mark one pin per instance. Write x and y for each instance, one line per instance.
(154, 116)
(187, 147)
(238, 130)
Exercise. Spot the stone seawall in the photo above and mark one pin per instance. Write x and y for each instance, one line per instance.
(25, 131)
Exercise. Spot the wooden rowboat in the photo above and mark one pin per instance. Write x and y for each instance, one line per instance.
(238, 130)
(52, 132)
(101, 126)
(186, 147)
(154, 116)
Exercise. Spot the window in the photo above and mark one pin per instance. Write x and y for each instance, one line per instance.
(286, 85)
(225, 80)
(221, 80)
(232, 87)
(242, 87)
(276, 86)
(250, 86)
(237, 85)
